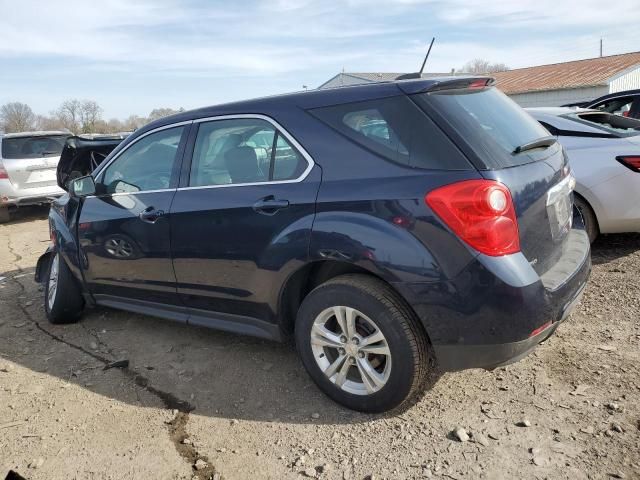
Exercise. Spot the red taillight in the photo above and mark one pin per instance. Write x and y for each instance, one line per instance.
(3, 172)
(632, 162)
(481, 213)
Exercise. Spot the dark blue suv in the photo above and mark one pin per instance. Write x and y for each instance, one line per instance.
(394, 230)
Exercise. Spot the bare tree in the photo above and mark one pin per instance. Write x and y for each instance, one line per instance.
(79, 116)
(480, 65)
(16, 117)
(133, 122)
(90, 114)
(69, 115)
(157, 113)
(76, 116)
(48, 123)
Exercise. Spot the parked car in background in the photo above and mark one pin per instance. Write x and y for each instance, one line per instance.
(28, 163)
(393, 229)
(604, 153)
(626, 103)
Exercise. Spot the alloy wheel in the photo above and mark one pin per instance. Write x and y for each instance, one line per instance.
(118, 247)
(351, 350)
(53, 281)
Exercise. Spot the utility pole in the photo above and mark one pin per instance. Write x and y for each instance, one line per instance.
(600, 46)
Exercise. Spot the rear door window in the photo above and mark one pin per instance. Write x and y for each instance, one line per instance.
(491, 124)
(243, 151)
(397, 130)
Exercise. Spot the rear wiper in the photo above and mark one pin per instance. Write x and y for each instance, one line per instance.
(541, 142)
(45, 153)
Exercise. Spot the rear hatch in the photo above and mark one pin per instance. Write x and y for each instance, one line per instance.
(81, 155)
(31, 161)
(508, 145)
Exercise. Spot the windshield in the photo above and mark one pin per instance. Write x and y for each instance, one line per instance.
(33, 147)
(492, 124)
(610, 123)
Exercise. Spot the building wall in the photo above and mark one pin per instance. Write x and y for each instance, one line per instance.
(627, 81)
(556, 98)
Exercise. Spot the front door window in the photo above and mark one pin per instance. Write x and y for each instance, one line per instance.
(147, 165)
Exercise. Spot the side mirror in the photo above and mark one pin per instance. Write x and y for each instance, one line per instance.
(82, 186)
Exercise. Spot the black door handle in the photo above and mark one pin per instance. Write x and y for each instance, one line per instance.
(150, 215)
(269, 205)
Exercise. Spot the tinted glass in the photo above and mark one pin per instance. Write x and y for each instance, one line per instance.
(552, 130)
(396, 129)
(242, 151)
(619, 106)
(148, 164)
(33, 147)
(287, 161)
(490, 122)
(610, 123)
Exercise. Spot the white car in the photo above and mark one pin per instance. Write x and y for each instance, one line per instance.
(28, 163)
(604, 154)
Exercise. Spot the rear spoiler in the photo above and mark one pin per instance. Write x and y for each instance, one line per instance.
(411, 86)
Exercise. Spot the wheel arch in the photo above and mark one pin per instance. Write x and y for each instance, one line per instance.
(591, 204)
(301, 282)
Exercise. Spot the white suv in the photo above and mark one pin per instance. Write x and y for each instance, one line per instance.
(28, 163)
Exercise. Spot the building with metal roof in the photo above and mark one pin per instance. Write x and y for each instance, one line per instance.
(544, 85)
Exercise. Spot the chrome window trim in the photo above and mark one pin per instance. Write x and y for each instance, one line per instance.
(310, 162)
(280, 129)
(119, 194)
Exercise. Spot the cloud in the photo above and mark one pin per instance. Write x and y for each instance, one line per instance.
(239, 49)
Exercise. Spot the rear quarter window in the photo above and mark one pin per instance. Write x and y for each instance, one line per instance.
(397, 130)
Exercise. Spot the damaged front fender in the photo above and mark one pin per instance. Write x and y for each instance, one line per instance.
(42, 267)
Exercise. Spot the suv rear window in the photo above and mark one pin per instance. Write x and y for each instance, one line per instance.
(33, 147)
(491, 123)
(396, 129)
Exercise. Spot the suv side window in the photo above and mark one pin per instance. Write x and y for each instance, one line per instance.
(396, 129)
(240, 151)
(148, 164)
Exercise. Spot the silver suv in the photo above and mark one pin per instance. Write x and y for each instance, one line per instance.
(28, 163)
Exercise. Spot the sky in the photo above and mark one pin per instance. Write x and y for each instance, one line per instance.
(134, 56)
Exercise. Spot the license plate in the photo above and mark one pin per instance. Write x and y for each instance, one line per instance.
(40, 176)
(560, 207)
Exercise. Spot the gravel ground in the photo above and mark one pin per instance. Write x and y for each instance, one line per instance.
(203, 404)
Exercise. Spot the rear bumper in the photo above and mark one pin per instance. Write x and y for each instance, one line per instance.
(457, 357)
(9, 195)
(498, 309)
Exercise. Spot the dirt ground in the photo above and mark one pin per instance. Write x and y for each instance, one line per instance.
(246, 409)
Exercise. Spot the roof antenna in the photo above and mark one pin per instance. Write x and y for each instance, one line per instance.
(408, 76)
(427, 55)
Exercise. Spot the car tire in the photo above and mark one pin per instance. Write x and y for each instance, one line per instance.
(63, 302)
(398, 377)
(4, 215)
(588, 217)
